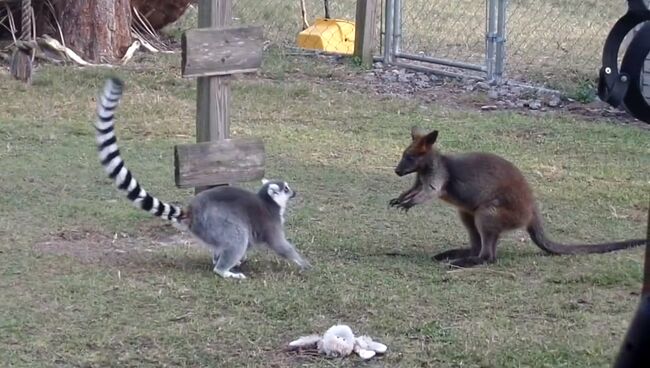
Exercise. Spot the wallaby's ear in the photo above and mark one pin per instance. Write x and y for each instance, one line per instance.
(417, 133)
(264, 181)
(431, 137)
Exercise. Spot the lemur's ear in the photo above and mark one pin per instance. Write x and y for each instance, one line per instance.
(264, 181)
(273, 189)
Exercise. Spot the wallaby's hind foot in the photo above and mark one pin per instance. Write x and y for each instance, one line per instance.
(452, 254)
(470, 261)
(474, 241)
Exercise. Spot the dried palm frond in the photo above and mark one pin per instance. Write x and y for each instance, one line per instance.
(144, 32)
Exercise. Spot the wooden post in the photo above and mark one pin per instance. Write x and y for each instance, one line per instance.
(213, 93)
(212, 53)
(21, 62)
(365, 30)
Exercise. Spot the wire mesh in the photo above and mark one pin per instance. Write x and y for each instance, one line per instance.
(558, 41)
(555, 43)
(282, 21)
(453, 30)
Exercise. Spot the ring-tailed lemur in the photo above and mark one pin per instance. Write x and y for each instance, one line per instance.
(227, 219)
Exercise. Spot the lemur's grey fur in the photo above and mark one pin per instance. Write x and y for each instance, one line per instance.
(227, 219)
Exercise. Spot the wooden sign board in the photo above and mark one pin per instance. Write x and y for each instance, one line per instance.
(218, 162)
(221, 51)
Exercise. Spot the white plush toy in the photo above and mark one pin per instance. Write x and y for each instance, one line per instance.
(339, 341)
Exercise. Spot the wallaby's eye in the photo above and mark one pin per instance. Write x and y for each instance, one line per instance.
(408, 158)
(286, 189)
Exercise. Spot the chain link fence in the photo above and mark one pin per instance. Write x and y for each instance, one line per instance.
(452, 33)
(558, 42)
(552, 43)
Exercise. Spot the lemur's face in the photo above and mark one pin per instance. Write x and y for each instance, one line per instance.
(279, 191)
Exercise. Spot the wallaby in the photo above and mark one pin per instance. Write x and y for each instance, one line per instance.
(491, 195)
(226, 219)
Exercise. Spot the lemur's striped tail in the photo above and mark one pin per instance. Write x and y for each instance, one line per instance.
(109, 156)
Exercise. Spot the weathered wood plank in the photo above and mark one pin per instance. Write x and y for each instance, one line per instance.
(219, 162)
(221, 51)
(365, 30)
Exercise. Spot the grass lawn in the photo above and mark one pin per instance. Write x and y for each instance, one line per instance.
(88, 280)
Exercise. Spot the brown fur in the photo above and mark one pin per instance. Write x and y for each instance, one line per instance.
(491, 195)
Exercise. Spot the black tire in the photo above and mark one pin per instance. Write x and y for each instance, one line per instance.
(632, 65)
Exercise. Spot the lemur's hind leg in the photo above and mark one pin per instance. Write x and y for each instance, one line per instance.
(231, 251)
(229, 258)
(215, 258)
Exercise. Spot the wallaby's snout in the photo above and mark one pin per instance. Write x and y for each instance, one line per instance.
(399, 171)
(406, 165)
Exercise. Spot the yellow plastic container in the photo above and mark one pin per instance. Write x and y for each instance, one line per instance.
(332, 35)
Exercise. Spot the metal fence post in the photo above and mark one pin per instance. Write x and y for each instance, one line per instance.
(397, 27)
(388, 32)
(500, 55)
(490, 37)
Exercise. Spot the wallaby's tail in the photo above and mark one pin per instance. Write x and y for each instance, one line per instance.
(109, 156)
(536, 232)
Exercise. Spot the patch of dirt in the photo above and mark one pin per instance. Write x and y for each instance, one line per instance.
(145, 251)
(91, 247)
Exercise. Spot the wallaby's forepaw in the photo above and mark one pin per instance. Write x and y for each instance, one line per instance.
(405, 200)
(403, 205)
(400, 203)
(394, 202)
